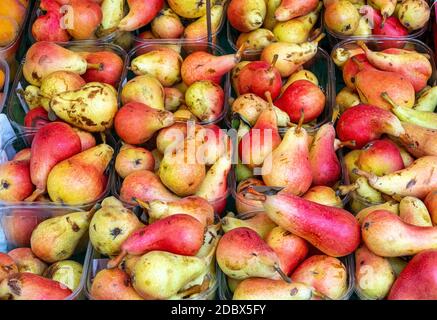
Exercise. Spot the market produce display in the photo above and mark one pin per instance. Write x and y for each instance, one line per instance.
(153, 155)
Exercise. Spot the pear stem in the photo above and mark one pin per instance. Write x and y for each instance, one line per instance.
(239, 54)
(95, 66)
(319, 37)
(344, 190)
(387, 98)
(103, 137)
(301, 119)
(335, 113)
(384, 17)
(275, 59)
(251, 190)
(94, 209)
(35, 195)
(367, 175)
(358, 63)
(142, 204)
(268, 95)
(349, 144)
(113, 263)
(282, 274)
(362, 45)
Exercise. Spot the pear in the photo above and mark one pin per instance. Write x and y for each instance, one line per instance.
(43, 58)
(246, 16)
(391, 206)
(189, 9)
(198, 30)
(342, 17)
(26, 261)
(362, 188)
(91, 108)
(297, 30)
(29, 286)
(270, 20)
(32, 96)
(290, 55)
(288, 165)
(112, 14)
(7, 266)
(130, 159)
(364, 28)
(113, 284)
(80, 179)
(140, 14)
(111, 226)
(67, 272)
(58, 82)
(268, 289)
(414, 211)
(205, 100)
(163, 64)
(160, 274)
(427, 100)
(414, 14)
(259, 222)
(144, 89)
(324, 195)
(347, 98)
(181, 171)
(255, 40)
(167, 25)
(386, 7)
(300, 75)
(56, 239)
(419, 141)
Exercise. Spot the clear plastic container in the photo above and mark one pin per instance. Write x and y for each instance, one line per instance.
(97, 262)
(40, 212)
(323, 67)
(8, 52)
(200, 44)
(4, 67)
(212, 48)
(17, 107)
(24, 140)
(225, 292)
(251, 54)
(219, 204)
(334, 38)
(112, 37)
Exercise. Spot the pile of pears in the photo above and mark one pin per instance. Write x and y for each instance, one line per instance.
(261, 23)
(171, 257)
(388, 18)
(46, 265)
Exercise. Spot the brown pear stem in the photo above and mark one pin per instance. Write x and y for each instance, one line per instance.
(95, 66)
(35, 195)
(384, 17)
(275, 59)
(251, 190)
(335, 113)
(319, 37)
(349, 144)
(239, 54)
(103, 137)
(362, 45)
(387, 98)
(301, 119)
(359, 64)
(142, 204)
(268, 95)
(114, 262)
(93, 210)
(367, 175)
(282, 274)
(344, 190)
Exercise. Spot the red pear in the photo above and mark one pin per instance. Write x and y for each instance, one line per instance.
(18, 226)
(140, 14)
(302, 95)
(113, 284)
(84, 18)
(36, 118)
(351, 68)
(48, 27)
(364, 123)
(7, 266)
(23, 155)
(180, 234)
(111, 67)
(15, 181)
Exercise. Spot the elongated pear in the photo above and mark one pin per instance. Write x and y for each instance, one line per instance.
(242, 254)
(417, 180)
(419, 141)
(297, 30)
(386, 235)
(80, 179)
(163, 64)
(289, 9)
(288, 165)
(415, 67)
(160, 274)
(111, 226)
(198, 29)
(140, 14)
(56, 239)
(29, 286)
(146, 186)
(52, 144)
(43, 58)
(290, 55)
(194, 206)
(325, 166)
(259, 222)
(374, 275)
(91, 107)
(414, 211)
(268, 289)
(427, 101)
(322, 226)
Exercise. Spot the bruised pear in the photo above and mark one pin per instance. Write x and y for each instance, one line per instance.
(67, 272)
(144, 89)
(205, 100)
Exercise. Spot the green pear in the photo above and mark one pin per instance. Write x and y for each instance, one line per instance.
(111, 226)
(67, 272)
(427, 100)
(56, 239)
(160, 274)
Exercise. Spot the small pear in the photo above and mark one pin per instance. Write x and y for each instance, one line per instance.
(342, 17)
(27, 261)
(56, 239)
(323, 195)
(246, 16)
(113, 284)
(205, 100)
(255, 40)
(189, 9)
(347, 98)
(259, 222)
(144, 89)
(364, 28)
(80, 179)
(268, 289)
(111, 226)
(91, 108)
(130, 159)
(7, 266)
(414, 211)
(386, 7)
(414, 14)
(163, 64)
(270, 20)
(197, 30)
(167, 25)
(390, 206)
(67, 272)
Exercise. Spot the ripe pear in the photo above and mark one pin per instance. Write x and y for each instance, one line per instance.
(391, 206)
(342, 17)
(26, 261)
(413, 14)
(297, 30)
(164, 64)
(144, 89)
(91, 108)
(427, 100)
(67, 272)
(268, 289)
(414, 211)
(386, 7)
(80, 179)
(205, 100)
(140, 14)
(270, 20)
(111, 226)
(197, 30)
(259, 222)
(289, 9)
(130, 159)
(323, 195)
(167, 25)
(189, 9)
(364, 28)
(113, 284)
(300, 75)
(246, 16)
(347, 98)
(56, 239)
(7, 266)
(160, 274)
(255, 40)
(112, 14)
